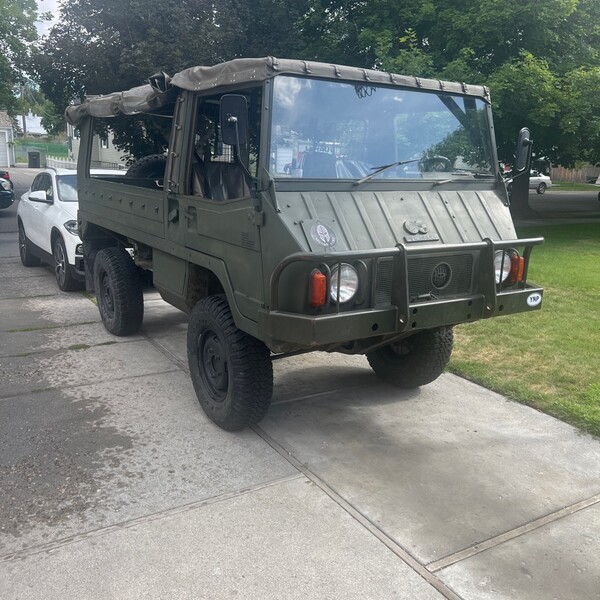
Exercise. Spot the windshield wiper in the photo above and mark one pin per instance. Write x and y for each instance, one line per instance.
(463, 178)
(378, 170)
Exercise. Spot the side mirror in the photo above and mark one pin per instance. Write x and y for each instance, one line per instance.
(39, 196)
(234, 119)
(523, 150)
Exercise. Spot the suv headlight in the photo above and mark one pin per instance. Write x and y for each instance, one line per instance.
(346, 277)
(4, 183)
(71, 227)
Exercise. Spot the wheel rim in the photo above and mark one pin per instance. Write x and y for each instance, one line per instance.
(106, 294)
(22, 242)
(60, 264)
(401, 350)
(212, 360)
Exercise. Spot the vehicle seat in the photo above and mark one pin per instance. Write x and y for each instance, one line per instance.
(219, 180)
(319, 164)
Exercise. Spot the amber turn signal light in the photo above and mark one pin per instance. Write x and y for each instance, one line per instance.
(318, 289)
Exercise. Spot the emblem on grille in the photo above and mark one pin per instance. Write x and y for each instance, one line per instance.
(323, 235)
(441, 275)
(413, 226)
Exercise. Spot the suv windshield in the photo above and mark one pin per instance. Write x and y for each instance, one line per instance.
(337, 130)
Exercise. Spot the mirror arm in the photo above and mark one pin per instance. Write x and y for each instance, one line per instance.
(251, 180)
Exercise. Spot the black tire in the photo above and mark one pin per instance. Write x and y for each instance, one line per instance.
(231, 371)
(63, 271)
(541, 188)
(414, 361)
(27, 257)
(118, 291)
(150, 167)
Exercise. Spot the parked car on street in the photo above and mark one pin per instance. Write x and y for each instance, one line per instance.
(7, 196)
(47, 223)
(537, 181)
(6, 175)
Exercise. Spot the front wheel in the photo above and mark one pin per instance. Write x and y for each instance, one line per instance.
(415, 360)
(541, 188)
(118, 291)
(231, 371)
(63, 271)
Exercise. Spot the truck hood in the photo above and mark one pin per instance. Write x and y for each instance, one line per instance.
(363, 220)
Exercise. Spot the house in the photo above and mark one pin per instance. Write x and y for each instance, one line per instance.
(7, 151)
(104, 153)
(31, 126)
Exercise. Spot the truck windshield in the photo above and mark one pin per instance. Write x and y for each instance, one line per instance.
(336, 130)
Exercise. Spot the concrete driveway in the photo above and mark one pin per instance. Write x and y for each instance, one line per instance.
(113, 483)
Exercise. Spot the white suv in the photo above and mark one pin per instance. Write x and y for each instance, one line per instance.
(47, 221)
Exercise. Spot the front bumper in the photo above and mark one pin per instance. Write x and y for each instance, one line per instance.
(402, 314)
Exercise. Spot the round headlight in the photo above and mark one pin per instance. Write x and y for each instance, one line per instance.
(502, 264)
(346, 277)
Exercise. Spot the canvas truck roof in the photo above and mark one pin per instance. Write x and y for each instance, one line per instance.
(162, 88)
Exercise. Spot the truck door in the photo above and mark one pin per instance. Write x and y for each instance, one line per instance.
(216, 212)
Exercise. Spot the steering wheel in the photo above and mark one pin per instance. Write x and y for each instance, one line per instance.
(435, 163)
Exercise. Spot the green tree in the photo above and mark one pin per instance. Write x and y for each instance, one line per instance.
(540, 59)
(101, 46)
(17, 30)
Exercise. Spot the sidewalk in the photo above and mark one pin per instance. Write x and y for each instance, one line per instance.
(113, 483)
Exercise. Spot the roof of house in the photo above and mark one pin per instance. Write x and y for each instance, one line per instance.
(162, 88)
(5, 120)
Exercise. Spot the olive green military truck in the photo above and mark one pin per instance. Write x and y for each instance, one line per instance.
(291, 206)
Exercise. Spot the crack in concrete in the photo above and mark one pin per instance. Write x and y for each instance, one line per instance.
(149, 518)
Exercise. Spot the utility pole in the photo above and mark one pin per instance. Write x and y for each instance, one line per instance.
(24, 116)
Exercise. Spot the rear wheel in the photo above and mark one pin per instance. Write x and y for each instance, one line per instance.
(541, 188)
(27, 257)
(231, 371)
(118, 291)
(414, 361)
(63, 271)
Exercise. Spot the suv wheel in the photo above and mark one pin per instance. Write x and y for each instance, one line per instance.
(62, 269)
(414, 361)
(231, 371)
(118, 291)
(541, 188)
(27, 257)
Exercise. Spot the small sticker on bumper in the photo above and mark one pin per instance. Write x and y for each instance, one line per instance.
(534, 299)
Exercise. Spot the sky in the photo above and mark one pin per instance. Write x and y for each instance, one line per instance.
(46, 6)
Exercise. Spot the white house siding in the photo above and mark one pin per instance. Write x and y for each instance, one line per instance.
(4, 149)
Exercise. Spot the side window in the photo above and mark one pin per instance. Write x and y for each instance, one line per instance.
(47, 186)
(132, 149)
(43, 181)
(217, 171)
(37, 184)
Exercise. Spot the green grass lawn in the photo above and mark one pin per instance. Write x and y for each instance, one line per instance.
(567, 186)
(549, 359)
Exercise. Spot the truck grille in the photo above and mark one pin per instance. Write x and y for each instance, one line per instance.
(441, 276)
